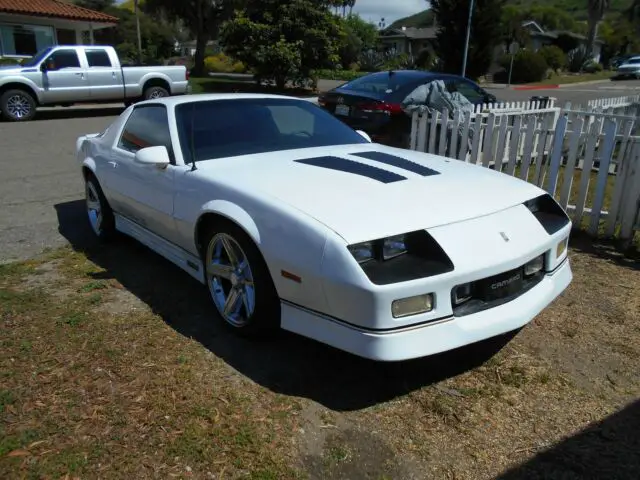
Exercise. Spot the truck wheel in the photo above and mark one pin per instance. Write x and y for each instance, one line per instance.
(155, 92)
(17, 105)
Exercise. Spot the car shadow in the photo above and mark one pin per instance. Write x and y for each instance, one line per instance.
(66, 113)
(287, 363)
(606, 449)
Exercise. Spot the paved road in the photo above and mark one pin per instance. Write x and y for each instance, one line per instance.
(576, 94)
(39, 179)
(39, 176)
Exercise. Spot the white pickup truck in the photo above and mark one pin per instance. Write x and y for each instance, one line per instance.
(69, 74)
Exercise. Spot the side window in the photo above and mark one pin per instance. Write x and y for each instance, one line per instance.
(98, 58)
(147, 126)
(472, 93)
(63, 59)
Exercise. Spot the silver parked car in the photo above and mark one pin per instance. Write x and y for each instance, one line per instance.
(65, 75)
(630, 68)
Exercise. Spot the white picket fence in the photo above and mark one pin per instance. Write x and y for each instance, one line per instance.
(515, 106)
(589, 160)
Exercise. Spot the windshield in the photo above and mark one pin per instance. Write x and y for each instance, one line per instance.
(33, 61)
(226, 128)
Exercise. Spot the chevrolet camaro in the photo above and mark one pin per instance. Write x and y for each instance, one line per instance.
(293, 220)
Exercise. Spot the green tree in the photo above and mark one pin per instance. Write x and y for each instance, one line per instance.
(203, 18)
(486, 34)
(284, 40)
(361, 36)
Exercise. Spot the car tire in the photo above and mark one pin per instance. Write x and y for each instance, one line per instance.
(99, 213)
(17, 105)
(151, 93)
(256, 309)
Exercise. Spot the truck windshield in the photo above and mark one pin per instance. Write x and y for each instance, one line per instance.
(33, 61)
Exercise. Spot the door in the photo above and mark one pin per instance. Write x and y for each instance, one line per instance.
(64, 79)
(143, 193)
(105, 79)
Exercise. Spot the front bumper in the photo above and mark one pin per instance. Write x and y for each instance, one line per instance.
(419, 341)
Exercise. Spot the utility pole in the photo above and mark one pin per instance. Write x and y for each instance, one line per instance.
(466, 44)
(135, 5)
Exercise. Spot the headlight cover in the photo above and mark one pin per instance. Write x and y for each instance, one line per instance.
(401, 258)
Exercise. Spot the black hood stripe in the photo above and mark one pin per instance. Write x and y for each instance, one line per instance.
(357, 168)
(397, 162)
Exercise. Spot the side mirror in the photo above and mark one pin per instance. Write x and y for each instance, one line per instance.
(364, 135)
(43, 67)
(156, 156)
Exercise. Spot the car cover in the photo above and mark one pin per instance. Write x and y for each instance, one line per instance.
(434, 97)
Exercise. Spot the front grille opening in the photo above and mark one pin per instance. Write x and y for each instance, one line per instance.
(491, 292)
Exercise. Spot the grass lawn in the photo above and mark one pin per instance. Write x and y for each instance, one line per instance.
(113, 366)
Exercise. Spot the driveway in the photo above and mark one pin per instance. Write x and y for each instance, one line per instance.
(39, 171)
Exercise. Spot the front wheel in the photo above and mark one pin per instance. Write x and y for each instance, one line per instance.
(239, 281)
(17, 105)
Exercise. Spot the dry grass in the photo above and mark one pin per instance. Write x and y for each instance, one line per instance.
(113, 368)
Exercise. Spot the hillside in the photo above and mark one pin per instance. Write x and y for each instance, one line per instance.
(576, 8)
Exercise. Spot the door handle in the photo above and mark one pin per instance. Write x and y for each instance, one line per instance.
(80, 74)
(113, 164)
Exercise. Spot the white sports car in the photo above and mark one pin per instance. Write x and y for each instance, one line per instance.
(294, 220)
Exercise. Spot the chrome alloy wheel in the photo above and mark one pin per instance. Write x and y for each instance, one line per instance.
(94, 208)
(230, 280)
(18, 106)
(156, 94)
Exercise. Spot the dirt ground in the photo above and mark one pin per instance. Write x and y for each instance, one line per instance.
(113, 366)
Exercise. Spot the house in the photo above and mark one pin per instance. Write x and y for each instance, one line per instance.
(411, 40)
(541, 37)
(27, 26)
(407, 40)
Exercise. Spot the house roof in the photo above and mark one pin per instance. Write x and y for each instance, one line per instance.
(412, 33)
(55, 9)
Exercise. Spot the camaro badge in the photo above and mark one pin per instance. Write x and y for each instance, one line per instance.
(504, 236)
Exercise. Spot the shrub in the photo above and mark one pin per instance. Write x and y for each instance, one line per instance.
(577, 60)
(554, 56)
(593, 67)
(425, 59)
(221, 63)
(528, 66)
(340, 75)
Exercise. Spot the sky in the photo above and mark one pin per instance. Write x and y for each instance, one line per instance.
(391, 10)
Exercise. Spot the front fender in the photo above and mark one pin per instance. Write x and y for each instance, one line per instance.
(24, 82)
(234, 213)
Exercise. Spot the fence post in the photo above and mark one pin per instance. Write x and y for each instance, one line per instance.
(632, 198)
(556, 154)
(610, 130)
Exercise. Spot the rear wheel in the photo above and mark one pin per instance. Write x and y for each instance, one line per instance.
(239, 281)
(151, 93)
(17, 105)
(99, 212)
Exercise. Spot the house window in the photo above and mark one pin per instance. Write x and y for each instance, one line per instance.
(24, 40)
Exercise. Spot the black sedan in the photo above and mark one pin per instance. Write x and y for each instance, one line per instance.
(372, 103)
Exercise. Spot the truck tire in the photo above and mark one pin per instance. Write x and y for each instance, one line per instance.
(155, 92)
(17, 105)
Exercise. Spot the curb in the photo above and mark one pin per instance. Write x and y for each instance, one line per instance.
(536, 87)
(544, 87)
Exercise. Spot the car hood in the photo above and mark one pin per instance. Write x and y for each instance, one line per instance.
(378, 199)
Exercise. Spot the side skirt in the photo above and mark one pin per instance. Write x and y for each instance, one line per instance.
(176, 255)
